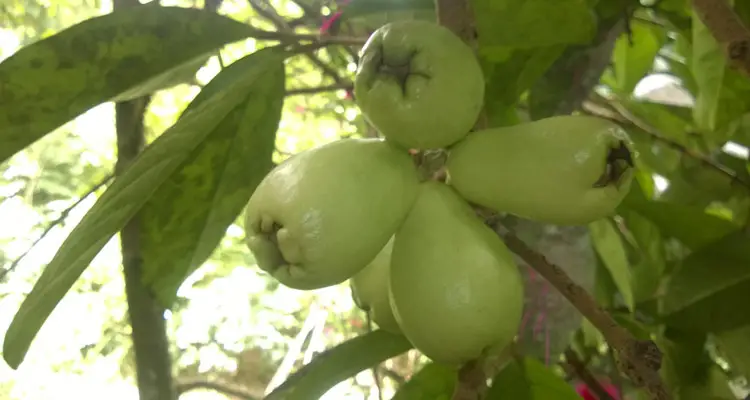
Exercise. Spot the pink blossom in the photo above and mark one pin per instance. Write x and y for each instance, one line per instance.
(587, 394)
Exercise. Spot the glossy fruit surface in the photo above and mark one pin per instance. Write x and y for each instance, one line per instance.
(370, 290)
(321, 216)
(419, 84)
(565, 170)
(455, 289)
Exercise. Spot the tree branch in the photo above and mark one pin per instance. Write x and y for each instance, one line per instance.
(285, 36)
(580, 370)
(185, 385)
(728, 30)
(639, 360)
(59, 220)
(153, 361)
(622, 116)
(283, 29)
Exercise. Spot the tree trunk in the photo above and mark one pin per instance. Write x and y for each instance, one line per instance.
(150, 343)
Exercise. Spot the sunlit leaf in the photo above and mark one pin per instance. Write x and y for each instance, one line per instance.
(432, 382)
(712, 282)
(121, 202)
(529, 380)
(735, 347)
(186, 218)
(115, 56)
(634, 54)
(339, 363)
(606, 240)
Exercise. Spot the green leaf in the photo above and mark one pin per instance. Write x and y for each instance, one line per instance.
(122, 200)
(735, 347)
(188, 215)
(361, 8)
(690, 225)
(339, 363)
(533, 23)
(647, 272)
(712, 282)
(115, 56)
(633, 61)
(608, 245)
(708, 66)
(509, 73)
(432, 382)
(529, 380)
(661, 117)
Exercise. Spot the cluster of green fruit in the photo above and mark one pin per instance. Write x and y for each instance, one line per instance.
(415, 252)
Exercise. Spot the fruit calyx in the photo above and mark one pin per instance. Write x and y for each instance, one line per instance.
(279, 249)
(619, 161)
(399, 71)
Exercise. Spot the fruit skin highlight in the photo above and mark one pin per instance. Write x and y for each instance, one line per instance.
(370, 290)
(321, 216)
(565, 170)
(419, 84)
(455, 289)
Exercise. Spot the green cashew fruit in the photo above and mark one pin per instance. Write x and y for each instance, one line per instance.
(455, 289)
(370, 290)
(321, 216)
(564, 170)
(419, 84)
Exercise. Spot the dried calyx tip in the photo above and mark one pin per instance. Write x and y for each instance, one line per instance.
(401, 71)
(619, 161)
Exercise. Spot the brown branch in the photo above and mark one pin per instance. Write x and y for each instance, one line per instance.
(617, 113)
(639, 360)
(284, 29)
(284, 36)
(728, 30)
(59, 220)
(186, 385)
(580, 370)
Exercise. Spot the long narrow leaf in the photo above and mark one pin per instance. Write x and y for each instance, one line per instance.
(122, 200)
(187, 217)
(339, 363)
(115, 56)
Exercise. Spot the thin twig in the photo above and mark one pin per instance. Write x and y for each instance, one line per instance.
(63, 216)
(283, 28)
(187, 384)
(319, 89)
(728, 30)
(375, 374)
(283, 36)
(580, 370)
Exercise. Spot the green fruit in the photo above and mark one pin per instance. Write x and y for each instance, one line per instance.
(419, 84)
(370, 290)
(321, 216)
(455, 289)
(565, 170)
